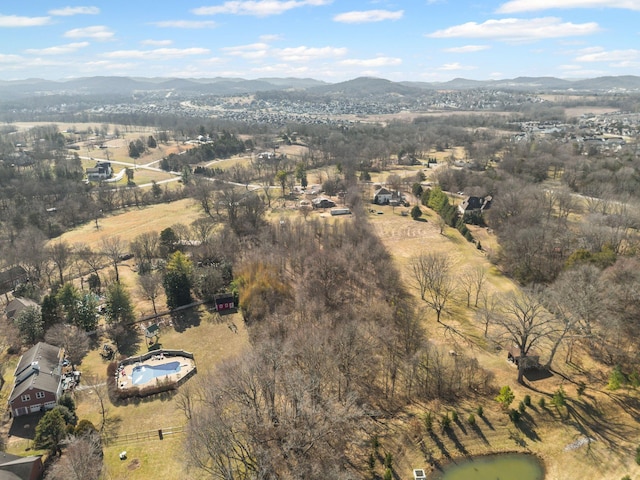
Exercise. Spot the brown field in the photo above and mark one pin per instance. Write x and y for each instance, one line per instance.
(135, 221)
(546, 432)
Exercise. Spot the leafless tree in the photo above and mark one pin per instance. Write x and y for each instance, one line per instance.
(488, 309)
(93, 260)
(145, 247)
(60, 254)
(432, 274)
(201, 229)
(82, 459)
(114, 248)
(74, 341)
(525, 323)
(472, 282)
(151, 286)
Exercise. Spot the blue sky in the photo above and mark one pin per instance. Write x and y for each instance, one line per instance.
(330, 40)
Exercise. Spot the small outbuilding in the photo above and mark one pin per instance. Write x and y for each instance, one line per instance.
(531, 360)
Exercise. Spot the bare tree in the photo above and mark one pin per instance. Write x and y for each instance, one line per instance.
(74, 341)
(150, 286)
(575, 298)
(145, 248)
(488, 309)
(201, 229)
(82, 459)
(60, 255)
(432, 274)
(114, 248)
(525, 323)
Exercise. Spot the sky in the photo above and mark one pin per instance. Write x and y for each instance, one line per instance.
(329, 40)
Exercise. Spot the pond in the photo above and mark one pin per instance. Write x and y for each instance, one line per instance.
(508, 466)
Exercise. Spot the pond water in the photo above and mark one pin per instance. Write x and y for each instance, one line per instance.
(508, 466)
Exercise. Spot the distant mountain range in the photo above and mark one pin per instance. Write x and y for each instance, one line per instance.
(363, 86)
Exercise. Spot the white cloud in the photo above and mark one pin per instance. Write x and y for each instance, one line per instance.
(251, 51)
(97, 32)
(271, 37)
(192, 24)
(69, 11)
(447, 67)
(368, 16)
(16, 21)
(467, 49)
(372, 62)
(305, 54)
(58, 50)
(157, 53)
(518, 30)
(156, 43)
(10, 58)
(516, 6)
(599, 55)
(258, 8)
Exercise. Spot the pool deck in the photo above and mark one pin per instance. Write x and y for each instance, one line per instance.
(186, 366)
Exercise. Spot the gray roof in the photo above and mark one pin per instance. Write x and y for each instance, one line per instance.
(15, 306)
(14, 467)
(39, 368)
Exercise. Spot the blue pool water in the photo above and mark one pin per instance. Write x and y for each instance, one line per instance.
(145, 373)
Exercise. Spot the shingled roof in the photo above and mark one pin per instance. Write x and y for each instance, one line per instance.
(39, 368)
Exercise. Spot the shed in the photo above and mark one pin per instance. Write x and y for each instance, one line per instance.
(531, 360)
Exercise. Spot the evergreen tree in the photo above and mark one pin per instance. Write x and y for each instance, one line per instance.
(50, 431)
(118, 306)
(177, 280)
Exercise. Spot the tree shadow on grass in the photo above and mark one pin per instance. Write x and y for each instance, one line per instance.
(526, 424)
(487, 422)
(456, 441)
(441, 446)
(478, 431)
(127, 338)
(186, 319)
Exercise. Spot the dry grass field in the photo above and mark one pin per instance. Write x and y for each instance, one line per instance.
(610, 419)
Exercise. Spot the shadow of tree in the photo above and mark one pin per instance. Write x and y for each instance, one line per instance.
(186, 319)
(487, 422)
(127, 338)
(456, 441)
(526, 424)
(461, 426)
(517, 437)
(478, 431)
(111, 427)
(441, 446)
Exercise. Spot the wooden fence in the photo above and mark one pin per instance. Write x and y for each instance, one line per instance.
(158, 434)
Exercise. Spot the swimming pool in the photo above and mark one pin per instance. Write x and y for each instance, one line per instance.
(145, 373)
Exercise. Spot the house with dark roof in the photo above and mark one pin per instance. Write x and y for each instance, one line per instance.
(101, 171)
(37, 385)
(14, 467)
(382, 196)
(15, 306)
(475, 204)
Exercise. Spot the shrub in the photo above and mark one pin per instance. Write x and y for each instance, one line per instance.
(388, 474)
(375, 443)
(527, 400)
(559, 398)
(505, 397)
(388, 460)
(521, 407)
(542, 402)
(471, 419)
(416, 212)
(428, 421)
(454, 415)
(617, 379)
(371, 462)
(514, 415)
(626, 477)
(638, 455)
(480, 411)
(445, 422)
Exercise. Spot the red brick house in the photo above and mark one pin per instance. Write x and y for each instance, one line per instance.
(38, 383)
